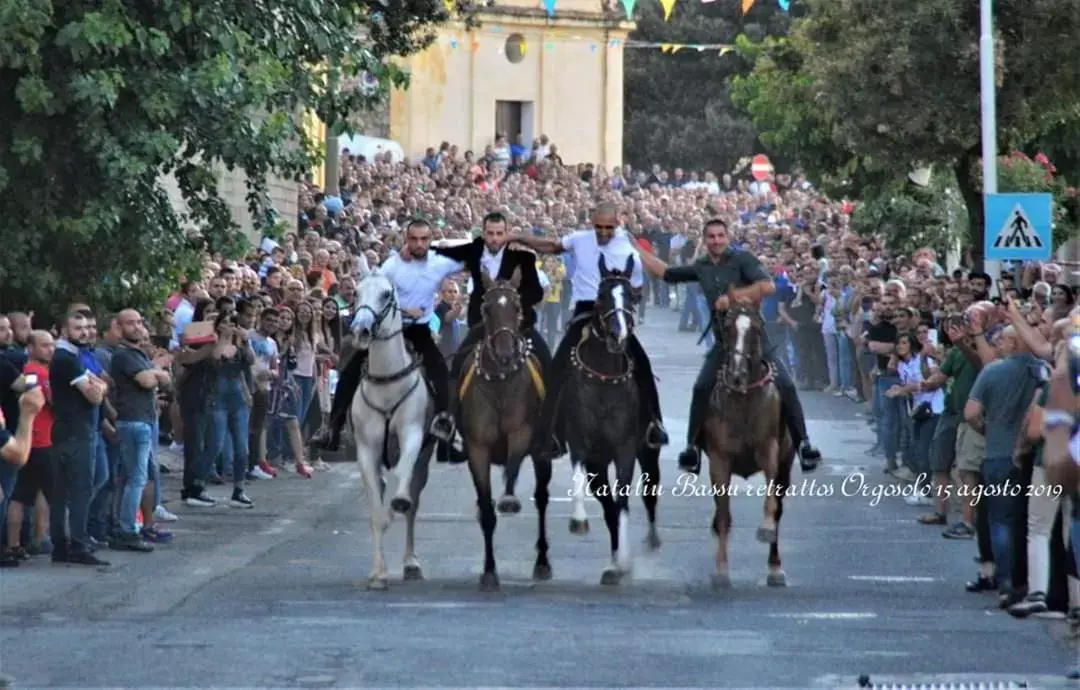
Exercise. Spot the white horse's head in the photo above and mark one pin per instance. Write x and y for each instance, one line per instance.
(378, 316)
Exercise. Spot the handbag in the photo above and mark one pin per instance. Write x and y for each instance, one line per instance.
(921, 412)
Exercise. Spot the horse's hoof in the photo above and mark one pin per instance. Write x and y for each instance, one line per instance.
(766, 535)
(489, 582)
(542, 571)
(400, 505)
(509, 505)
(413, 572)
(776, 579)
(652, 540)
(721, 581)
(611, 576)
(378, 583)
(579, 526)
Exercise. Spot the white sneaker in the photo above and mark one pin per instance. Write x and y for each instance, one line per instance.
(258, 473)
(918, 500)
(904, 473)
(162, 514)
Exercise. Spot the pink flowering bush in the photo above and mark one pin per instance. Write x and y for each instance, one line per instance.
(1020, 173)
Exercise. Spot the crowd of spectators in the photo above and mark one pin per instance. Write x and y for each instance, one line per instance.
(238, 366)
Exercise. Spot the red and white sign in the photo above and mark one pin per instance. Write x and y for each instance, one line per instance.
(761, 168)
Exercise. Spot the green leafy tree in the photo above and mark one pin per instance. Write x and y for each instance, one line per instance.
(895, 83)
(99, 99)
(678, 105)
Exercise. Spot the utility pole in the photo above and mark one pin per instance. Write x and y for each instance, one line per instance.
(989, 121)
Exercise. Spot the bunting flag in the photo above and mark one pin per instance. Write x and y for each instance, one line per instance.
(785, 5)
(669, 7)
(549, 5)
(549, 41)
(449, 4)
(746, 5)
(628, 5)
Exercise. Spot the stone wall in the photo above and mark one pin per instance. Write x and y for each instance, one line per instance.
(231, 186)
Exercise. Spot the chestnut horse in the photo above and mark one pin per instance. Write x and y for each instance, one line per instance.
(745, 433)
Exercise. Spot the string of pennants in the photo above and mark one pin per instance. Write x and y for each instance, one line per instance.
(667, 48)
(629, 5)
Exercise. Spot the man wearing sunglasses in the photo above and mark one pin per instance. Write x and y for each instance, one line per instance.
(613, 244)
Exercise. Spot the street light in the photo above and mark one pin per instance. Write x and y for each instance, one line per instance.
(989, 118)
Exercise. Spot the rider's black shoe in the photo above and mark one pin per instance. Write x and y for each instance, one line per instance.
(809, 457)
(442, 427)
(690, 460)
(656, 436)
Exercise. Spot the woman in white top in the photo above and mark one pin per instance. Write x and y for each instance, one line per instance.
(913, 367)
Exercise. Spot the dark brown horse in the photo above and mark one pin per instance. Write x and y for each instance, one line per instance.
(501, 393)
(605, 421)
(744, 434)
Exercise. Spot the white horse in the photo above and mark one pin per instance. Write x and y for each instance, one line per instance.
(390, 414)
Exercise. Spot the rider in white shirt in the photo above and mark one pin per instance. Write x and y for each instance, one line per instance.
(611, 242)
(417, 272)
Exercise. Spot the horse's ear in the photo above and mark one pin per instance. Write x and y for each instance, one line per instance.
(486, 280)
(603, 266)
(515, 279)
(630, 265)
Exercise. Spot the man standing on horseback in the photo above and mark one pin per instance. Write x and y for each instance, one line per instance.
(489, 254)
(611, 242)
(416, 272)
(721, 269)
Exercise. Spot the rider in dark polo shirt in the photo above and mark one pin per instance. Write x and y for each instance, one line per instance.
(720, 269)
(76, 396)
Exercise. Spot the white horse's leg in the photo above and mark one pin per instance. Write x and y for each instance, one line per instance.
(579, 519)
(370, 468)
(411, 439)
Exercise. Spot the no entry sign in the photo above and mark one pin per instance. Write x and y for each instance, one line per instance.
(761, 168)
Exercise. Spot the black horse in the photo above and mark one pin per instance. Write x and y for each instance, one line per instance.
(605, 421)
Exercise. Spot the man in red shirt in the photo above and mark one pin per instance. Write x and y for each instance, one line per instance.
(36, 476)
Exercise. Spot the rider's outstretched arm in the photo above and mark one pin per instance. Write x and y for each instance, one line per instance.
(541, 245)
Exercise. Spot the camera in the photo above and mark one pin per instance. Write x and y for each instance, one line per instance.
(31, 381)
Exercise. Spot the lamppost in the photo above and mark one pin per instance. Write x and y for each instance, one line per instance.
(989, 118)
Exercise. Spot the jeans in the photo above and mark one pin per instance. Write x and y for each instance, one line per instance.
(838, 359)
(99, 522)
(922, 438)
(689, 317)
(893, 415)
(704, 316)
(229, 429)
(136, 439)
(1000, 511)
(73, 482)
(8, 474)
(196, 470)
(155, 474)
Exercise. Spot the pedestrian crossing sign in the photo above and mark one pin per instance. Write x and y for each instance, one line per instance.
(1018, 227)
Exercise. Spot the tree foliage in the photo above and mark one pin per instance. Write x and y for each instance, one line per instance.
(99, 99)
(678, 105)
(895, 83)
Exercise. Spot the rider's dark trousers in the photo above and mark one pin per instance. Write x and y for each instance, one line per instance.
(419, 336)
(643, 374)
(790, 406)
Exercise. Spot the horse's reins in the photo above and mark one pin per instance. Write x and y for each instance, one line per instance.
(602, 318)
(365, 375)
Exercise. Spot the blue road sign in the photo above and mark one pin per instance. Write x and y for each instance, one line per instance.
(1018, 227)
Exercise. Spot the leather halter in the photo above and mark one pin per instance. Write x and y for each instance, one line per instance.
(522, 345)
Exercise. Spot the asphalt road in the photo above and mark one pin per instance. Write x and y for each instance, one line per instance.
(275, 597)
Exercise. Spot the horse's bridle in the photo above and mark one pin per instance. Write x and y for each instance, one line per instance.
(388, 310)
(723, 375)
(604, 318)
(521, 344)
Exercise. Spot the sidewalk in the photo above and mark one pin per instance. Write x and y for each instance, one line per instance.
(208, 543)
